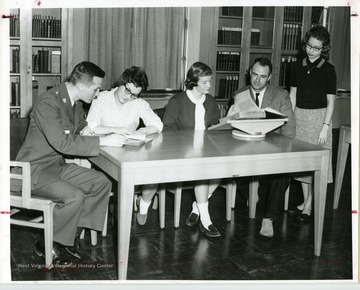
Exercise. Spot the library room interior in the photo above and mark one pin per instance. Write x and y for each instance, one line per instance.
(271, 203)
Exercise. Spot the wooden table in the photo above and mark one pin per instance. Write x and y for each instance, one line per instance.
(344, 142)
(186, 155)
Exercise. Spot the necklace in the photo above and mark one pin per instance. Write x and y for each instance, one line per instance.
(309, 69)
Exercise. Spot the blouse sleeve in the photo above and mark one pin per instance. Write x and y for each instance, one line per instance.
(94, 116)
(294, 71)
(150, 118)
(331, 81)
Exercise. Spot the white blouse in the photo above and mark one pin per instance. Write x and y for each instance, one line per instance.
(105, 112)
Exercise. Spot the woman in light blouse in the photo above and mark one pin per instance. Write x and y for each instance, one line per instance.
(119, 111)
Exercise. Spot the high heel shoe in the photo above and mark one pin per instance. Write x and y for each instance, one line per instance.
(211, 232)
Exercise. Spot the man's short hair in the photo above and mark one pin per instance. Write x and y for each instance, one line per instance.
(84, 72)
(263, 61)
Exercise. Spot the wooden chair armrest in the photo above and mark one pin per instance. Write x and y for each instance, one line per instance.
(25, 176)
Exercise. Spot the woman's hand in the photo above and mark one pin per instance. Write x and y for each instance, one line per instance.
(323, 135)
(114, 140)
(87, 131)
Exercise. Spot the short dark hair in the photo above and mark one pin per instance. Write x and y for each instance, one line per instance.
(263, 61)
(197, 70)
(320, 33)
(135, 75)
(85, 72)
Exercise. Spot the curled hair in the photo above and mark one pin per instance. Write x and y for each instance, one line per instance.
(320, 33)
(135, 75)
(263, 61)
(197, 70)
(84, 72)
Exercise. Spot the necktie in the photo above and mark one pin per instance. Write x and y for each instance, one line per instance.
(257, 99)
(74, 107)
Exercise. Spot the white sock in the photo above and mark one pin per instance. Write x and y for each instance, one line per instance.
(307, 211)
(195, 209)
(144, 206)
(204, 214)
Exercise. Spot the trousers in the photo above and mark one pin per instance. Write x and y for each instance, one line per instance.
(81, 196)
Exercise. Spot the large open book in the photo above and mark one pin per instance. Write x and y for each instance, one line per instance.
(246, 114)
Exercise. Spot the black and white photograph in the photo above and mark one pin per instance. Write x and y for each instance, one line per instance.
(195, 144)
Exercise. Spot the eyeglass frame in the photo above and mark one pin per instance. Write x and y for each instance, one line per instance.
(315, 48)
(128, 92)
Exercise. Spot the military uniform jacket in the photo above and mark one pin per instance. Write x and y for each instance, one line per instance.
(54, 133)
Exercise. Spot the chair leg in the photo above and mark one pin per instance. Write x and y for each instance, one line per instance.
(162, 197)
(48, 235)
(286, 201)
(253, 196)
(229, 198)
(93, 234)
(104, 231)
(177, 204)
(155, 205)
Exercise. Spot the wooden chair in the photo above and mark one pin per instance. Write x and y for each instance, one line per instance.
(20, 191)
(22, 199)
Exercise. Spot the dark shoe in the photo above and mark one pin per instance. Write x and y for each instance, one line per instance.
(305, 218)
(141, 218)
(192, 219)
(212, 232)
(75, 249)
(294, 211)
(56, 254)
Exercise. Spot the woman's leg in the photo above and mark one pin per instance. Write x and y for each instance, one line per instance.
(148, 191)
(307, 205)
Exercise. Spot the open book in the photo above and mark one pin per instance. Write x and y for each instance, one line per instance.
(137, 139)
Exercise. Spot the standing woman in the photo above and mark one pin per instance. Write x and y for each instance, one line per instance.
(195, 109)
(313, 91)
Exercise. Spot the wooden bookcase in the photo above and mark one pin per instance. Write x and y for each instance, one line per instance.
(38, 55)
(232, 37)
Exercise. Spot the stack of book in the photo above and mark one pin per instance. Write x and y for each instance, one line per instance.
(228, 61)
(46, 27)
(14, 25)
(230, 35)
(291, 36)
(46, 61)
(293, 13)
(285, 70)
(14, 113)
(227, 86)
(15, 93)
(15, 60)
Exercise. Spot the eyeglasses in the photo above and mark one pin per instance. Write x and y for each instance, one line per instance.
(315, 48)
(128, 92)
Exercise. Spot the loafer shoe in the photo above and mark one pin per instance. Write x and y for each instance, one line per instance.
(211, 232)
(56, 254)
(267, 229)
(294, 211)
(192, 219)
(75, 249)
(305, 218)
(141, 218)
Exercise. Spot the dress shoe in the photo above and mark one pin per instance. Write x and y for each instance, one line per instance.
(56, 254)
(211, 232)
(305, 218)
(192, 219)
(267, 229)
(75, 249)
(294, 211)
(141, 218)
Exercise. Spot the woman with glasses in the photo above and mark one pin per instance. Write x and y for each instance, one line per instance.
(195, 109)
(313, 92)
(119, 111)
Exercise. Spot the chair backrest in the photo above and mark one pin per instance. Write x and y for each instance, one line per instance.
(18, 129)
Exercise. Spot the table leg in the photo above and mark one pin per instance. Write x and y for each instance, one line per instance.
(125, 208)
(320, 187)
(340, 167)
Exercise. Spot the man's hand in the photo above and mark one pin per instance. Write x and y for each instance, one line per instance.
(114, 140)
(87, 131)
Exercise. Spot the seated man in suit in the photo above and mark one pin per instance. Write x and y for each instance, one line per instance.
(55, 130)
(266, 95)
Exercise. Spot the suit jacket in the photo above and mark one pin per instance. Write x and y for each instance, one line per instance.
(54, 133)
(279, 100)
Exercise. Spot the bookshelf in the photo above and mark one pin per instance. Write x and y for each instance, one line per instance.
(38, 55)
(245, 33)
